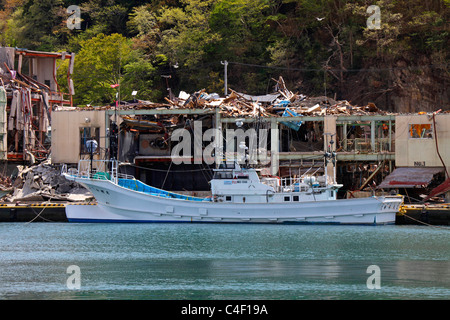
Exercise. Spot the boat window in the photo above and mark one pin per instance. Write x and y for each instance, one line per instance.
(295, 198)
(287, 198)
(331, 193)
(242, 177)
(228, 198)
(223, 175)
(226, 166)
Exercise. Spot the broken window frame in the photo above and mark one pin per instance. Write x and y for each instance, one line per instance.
(426, 131)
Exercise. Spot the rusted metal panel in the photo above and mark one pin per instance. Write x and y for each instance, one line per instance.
(440, 189)
(410, 177)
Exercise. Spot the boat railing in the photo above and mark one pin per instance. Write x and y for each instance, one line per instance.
(289, 184)
(98, 169)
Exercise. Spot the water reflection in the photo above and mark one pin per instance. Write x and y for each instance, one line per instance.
(168, 261)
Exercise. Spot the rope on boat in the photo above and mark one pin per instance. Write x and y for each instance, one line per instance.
(167, 174)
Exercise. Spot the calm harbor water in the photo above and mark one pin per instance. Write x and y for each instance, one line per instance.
(214, 261)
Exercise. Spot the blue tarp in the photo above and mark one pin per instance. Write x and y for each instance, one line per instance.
(137, 185)
(295, 125)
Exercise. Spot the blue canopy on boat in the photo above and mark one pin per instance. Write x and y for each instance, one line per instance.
(137, 185)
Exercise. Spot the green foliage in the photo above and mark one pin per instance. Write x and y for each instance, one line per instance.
(36, 24)
(139, 75)
(142, 21)
(99, 65)
(135, 42)
(185, 32)
(108, 16)
(12, 29)
(107, 60)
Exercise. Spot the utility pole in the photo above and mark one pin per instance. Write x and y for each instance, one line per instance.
(169, 90)
(225, 63)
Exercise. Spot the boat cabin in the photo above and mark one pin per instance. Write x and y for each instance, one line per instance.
(234, 184)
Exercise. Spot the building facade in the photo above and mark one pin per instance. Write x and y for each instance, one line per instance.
(32, 92)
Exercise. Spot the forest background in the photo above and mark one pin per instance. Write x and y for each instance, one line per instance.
(320, 47)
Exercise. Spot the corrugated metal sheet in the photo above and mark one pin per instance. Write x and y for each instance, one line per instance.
(410, 177)
(440, 189)
(264, 98)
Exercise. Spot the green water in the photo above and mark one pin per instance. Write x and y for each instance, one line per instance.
(214, 261)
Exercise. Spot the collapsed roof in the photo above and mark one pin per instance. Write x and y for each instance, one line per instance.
(238, 104)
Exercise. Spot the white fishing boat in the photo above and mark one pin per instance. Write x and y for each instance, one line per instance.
(238, 195)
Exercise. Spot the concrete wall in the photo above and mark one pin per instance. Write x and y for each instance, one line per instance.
(43, 70)
(66, 133)
(329, 130)
(410, 152)
(7, 55)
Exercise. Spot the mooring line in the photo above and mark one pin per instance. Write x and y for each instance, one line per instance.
(39, 214)
(427, 224)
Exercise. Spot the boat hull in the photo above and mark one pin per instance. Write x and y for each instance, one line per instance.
(118, 204)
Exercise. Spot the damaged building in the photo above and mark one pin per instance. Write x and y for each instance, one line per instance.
(29, 93)
(368, 143)
(28, 79)
(366, 147)
(422, 155)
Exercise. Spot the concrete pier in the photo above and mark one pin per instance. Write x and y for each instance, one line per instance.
(33, 212)
(431, 214)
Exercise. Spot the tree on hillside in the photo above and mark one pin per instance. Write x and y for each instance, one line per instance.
(109, 60)
(34, 24)
(316, 45)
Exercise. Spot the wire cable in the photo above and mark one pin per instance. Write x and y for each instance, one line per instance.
(439, 66)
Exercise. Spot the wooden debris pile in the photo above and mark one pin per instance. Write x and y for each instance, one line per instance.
(242, 105)
(316, 106)
(235, 105)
